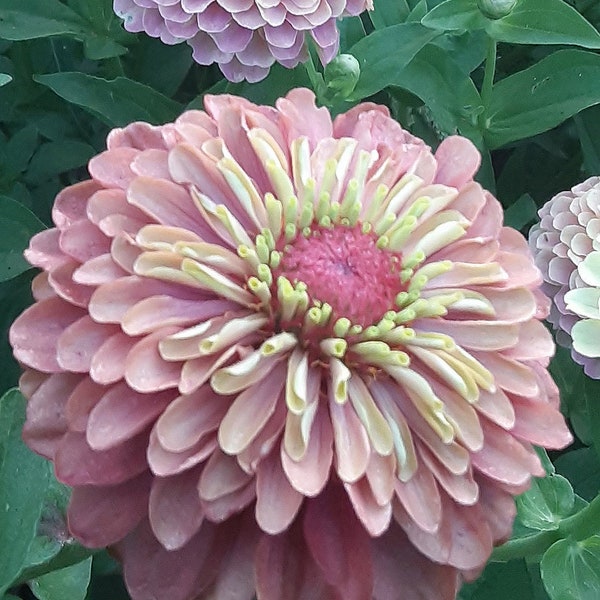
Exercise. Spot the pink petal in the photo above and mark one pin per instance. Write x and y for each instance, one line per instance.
(235, 575)
(286, 571)
(108, 363)
(221, 476)
(310, 474)
(112, 169)
(46, 422)
(338, 543)
(61, 281)
(146, 370)
(99, 516)
(164, 463)
(83, 241)
(420, 498)
(351, 443)
(458, 161)
(71, 203)
(373, 516)
(250, 411)
(98, 270)
(463, 539)
(121, 414)
(161, 311)
(77, 464)
(175, 510)
(190, 417)
(277, 502)
(504, 458)
(153, 573)
(79, 342)
(540, 423)
(81, 402)
(35, 333)
(44, 251)
(403, 573)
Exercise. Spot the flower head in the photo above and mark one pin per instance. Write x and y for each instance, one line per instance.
(245, 37)
(303, 357)
(567, 251)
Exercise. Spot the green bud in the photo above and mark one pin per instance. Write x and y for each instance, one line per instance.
(341, 74)
(496, 9)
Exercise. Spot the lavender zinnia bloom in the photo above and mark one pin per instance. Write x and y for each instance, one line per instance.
(245, 37)
(566, 244)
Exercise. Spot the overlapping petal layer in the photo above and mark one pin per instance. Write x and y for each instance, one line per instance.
(303, 357)
(244, 37)
(566, 247)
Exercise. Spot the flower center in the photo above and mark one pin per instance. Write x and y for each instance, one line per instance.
(343, 267)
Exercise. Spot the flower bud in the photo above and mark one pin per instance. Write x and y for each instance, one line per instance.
(342, 74)
(496, 9)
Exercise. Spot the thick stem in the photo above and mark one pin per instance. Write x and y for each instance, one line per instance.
(579, 526)
(489, 73)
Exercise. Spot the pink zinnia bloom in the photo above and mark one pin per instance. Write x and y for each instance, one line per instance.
(245, 37)
(279, 355)
(566, 247)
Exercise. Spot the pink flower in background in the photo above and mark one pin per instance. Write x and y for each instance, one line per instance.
(566, 247)
(244, 37)
(279, 355)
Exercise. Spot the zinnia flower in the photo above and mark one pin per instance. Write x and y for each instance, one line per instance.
(566, 247)
(245, 37)
(281, 356)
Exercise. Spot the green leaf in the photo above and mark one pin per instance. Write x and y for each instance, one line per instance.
(544, 22)
(17, 225)
(570, 378)
(543, 96)
(449, 95)
(116, 102)
(571, 569)
(582, 468)
(588, 128)
(530, 22)
(30, 19)
(546, 503)
(71, 582)
(53, 158)
(4, 79)
(23, 482)
(279, 81)
(521, 213)
(455, 15)
(386, 13)
(504, 581)
(384, 53)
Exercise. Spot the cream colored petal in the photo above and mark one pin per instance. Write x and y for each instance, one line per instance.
(296, 387)
(250, 411)
(214, 281)
(376, 426)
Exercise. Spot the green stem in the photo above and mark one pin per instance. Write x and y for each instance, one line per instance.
(533, 545)
(583, 524)
(579, 526)
(489, 72)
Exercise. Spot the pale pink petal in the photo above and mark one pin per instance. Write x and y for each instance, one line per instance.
(458, 161)
(335, 539)
(77, 464)
(122, 413)
(175, 512)
(99, 516)
(277, 502)
(34, 335)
